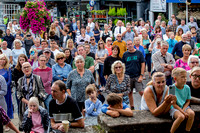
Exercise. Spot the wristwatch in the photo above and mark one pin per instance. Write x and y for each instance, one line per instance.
(142, 75)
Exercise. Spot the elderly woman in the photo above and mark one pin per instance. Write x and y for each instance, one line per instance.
(78, 80)
(108, 45)
(28, 86)
(70, 45)
(17, 50)
(193, 61)
(106, 33)
(183, 62)
(5, 71)
(100, 56)
(155, 97)
(110, 60)
(61, 69)
(194, 85)
(36, 118)
(17, 73)
(118, 82)
(33, 58)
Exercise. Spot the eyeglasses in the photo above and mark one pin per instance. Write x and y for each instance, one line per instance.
(43, 60)
(196, 76)
(194, 62)
(119, 67)
(26, 67)
(60, 58)
(91, 39)
(119, 36)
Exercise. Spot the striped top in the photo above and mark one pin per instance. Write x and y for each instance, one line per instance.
(46, 76)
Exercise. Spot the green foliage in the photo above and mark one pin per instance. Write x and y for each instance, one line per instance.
(115, 21)
(163, 18)
(112, 11)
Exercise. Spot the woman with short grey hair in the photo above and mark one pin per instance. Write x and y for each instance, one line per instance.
(193, 61)
(17, 50)
(78, 80)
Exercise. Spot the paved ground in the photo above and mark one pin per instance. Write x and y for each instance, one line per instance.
(91, 121)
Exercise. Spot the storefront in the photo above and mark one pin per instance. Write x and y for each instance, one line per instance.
(179, 8)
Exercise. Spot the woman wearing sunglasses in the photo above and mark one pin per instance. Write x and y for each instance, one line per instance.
(61, 69)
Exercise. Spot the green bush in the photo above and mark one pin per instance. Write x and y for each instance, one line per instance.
(112, 11)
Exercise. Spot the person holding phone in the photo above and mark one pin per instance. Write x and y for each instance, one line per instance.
(155, 97)
(33, 58)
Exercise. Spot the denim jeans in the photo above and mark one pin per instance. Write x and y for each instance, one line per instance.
(102, 79)
(148, 61)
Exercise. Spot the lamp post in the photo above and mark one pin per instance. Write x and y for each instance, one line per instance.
(187, 2)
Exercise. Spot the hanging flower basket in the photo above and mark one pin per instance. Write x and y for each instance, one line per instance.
(35, 16)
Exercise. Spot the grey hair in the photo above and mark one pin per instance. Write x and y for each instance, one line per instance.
(105, 25)
(34, 100)
(115, 63)
(79, 57)
(194, 69)
(157, 21)
(26, 63)
(192, 57)
(183, 35)
(163, 22)
(135, 38)
(108, 38)
(188, 32)
(17, 40)
(164, 43)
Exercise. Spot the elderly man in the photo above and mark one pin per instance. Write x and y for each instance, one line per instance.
(83, 37)
(119, 29)
(93, 45)
(128, 34)
(89, 61)
(89, 32)
(191, 42)
(193, 61)
(183, 26)
(50, 62)
(121, 44)
(61, 23)
(192, 23)
(194, 85)
(62, 103)
(37, 45)
(178, 47)
(135, 65)
(7, 51)
(163, 62)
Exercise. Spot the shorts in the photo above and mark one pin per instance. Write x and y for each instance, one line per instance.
(173, 110)
(135, 84)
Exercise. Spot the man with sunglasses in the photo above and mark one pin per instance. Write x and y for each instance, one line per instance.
(121, 44)
(194, 85)
(93, 45)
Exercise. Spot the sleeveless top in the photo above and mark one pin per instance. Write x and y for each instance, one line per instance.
(143, 102)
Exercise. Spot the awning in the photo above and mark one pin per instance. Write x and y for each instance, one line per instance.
(182, 1)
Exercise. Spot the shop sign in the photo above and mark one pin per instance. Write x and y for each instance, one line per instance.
(158, 5)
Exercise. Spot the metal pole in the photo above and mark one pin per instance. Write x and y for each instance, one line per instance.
(186, 12)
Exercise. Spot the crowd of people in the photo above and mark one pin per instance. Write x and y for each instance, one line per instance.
(56, 72)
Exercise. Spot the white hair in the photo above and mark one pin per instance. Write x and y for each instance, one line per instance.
(34, 100)
(17, 40)
(183, 35)
(164, 43)
(108, 38)
(192, 57)
(188, 32)
(79, 57)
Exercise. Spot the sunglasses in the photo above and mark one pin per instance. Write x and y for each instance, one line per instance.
(100, 43)
(119, 67)
(194, 62)
(60, 58)
(91, 39)
(196, 76)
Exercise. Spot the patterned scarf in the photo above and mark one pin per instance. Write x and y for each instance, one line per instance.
(28, 88)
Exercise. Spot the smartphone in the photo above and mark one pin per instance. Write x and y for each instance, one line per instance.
(32, 53)
(172, 89)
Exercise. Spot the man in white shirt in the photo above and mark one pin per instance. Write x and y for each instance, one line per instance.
(119, 29)
(7, 51)
(91, 24)
(83, 37)
(54, 46)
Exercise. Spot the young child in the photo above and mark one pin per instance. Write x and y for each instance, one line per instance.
(93, 104)
(116, 107)
(181, 109)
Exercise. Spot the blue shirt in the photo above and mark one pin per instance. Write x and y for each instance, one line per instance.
(93, 49)
(141, 49)
(182, 95)
(104, 108)
(171, 44)
(74, 26)
(93, 109)
(60, 73)
(178, 49)
(185, 28)
(89, 34)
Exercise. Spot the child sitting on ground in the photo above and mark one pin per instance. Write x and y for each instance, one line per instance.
(93, 104)
(116, 107)
(181, 109)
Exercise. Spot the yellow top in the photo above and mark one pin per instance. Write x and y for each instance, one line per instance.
(178, 38)
(122, 47)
